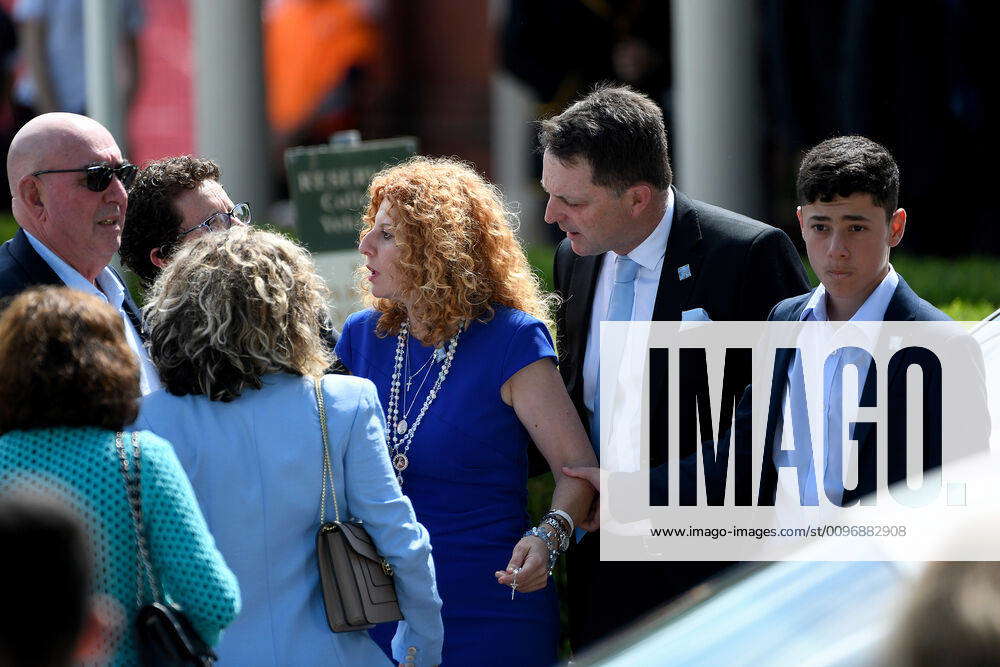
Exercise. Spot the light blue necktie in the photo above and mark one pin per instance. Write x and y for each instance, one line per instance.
(619, 310)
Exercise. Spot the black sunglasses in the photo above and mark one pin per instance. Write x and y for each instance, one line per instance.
(99, 175)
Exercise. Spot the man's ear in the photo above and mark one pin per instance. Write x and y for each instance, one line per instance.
(156, 258)
(897, 226)
(802, 224)
(29, 194)
(638, 197)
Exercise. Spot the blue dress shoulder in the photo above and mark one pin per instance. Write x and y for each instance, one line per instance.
(467, 479)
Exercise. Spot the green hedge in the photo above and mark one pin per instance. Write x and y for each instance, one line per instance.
(7, 227)
(967, 288)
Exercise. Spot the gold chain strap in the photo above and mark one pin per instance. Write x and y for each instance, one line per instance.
(327, 468)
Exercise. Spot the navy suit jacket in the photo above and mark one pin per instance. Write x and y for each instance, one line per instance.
(21, 267)
(904, 306)
(739, 268)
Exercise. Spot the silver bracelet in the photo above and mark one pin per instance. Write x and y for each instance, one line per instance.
(565, 516)
(560, 530)
(546, 540)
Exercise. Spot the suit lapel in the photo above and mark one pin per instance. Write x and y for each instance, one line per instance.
(37, 270)
(40, 273)
(899, 310)
(776, 403)
(582, 285)
(683, 250)
(131, 309)
(673, 293)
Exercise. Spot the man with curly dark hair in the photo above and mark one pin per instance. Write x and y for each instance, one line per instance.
(173, 200)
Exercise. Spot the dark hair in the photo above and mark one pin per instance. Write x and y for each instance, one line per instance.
(618, 131)
(150, 218)
(843, 166)
(45, 566)
(64, 362)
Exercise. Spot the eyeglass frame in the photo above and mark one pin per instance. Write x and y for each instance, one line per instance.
(207, 222)
(101, 167)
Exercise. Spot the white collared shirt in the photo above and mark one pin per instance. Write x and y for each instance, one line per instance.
(872, 310)
(111, 291)
(649, 256)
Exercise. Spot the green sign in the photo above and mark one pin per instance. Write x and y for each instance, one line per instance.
(328, 185)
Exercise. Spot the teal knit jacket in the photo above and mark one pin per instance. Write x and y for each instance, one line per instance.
(81, 466)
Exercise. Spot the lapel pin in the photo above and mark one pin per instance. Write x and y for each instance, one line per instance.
(684, 272)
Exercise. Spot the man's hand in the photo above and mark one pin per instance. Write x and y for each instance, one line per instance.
(592, 476)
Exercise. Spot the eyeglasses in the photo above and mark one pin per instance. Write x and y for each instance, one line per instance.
(99, 175)
(218, 222)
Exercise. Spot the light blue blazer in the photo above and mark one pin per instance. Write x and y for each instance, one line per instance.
(256, 467)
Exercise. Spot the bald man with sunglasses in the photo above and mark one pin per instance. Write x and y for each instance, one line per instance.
(68, 184)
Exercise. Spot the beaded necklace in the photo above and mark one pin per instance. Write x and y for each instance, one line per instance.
(400, 432)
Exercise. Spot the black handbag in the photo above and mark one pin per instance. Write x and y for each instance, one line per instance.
(166, 636)
(357, 584)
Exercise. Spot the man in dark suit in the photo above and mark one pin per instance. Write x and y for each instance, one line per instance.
(607, 172)
(68, 185)
(848, 192)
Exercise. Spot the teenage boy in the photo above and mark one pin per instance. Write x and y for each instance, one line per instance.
(848, 191)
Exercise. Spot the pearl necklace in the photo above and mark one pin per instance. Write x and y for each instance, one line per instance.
(400, 432)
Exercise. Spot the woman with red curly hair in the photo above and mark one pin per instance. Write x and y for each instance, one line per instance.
(456, 341)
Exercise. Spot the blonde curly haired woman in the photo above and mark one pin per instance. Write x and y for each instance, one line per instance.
(232, 329)
(457, 343)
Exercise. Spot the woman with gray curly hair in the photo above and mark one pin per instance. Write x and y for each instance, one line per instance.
(232, 327)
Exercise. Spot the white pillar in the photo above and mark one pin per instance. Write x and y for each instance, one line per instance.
(718, 116)
(512, 113)
(230, 115)
(102, 27)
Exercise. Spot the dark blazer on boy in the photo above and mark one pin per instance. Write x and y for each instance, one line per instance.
(904, 306)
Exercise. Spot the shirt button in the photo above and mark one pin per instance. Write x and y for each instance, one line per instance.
(412, 650)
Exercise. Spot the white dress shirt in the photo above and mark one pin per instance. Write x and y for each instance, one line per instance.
(649, 256)
(112, 292)
(830, 375)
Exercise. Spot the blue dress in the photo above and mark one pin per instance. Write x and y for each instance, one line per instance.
(467, 479)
